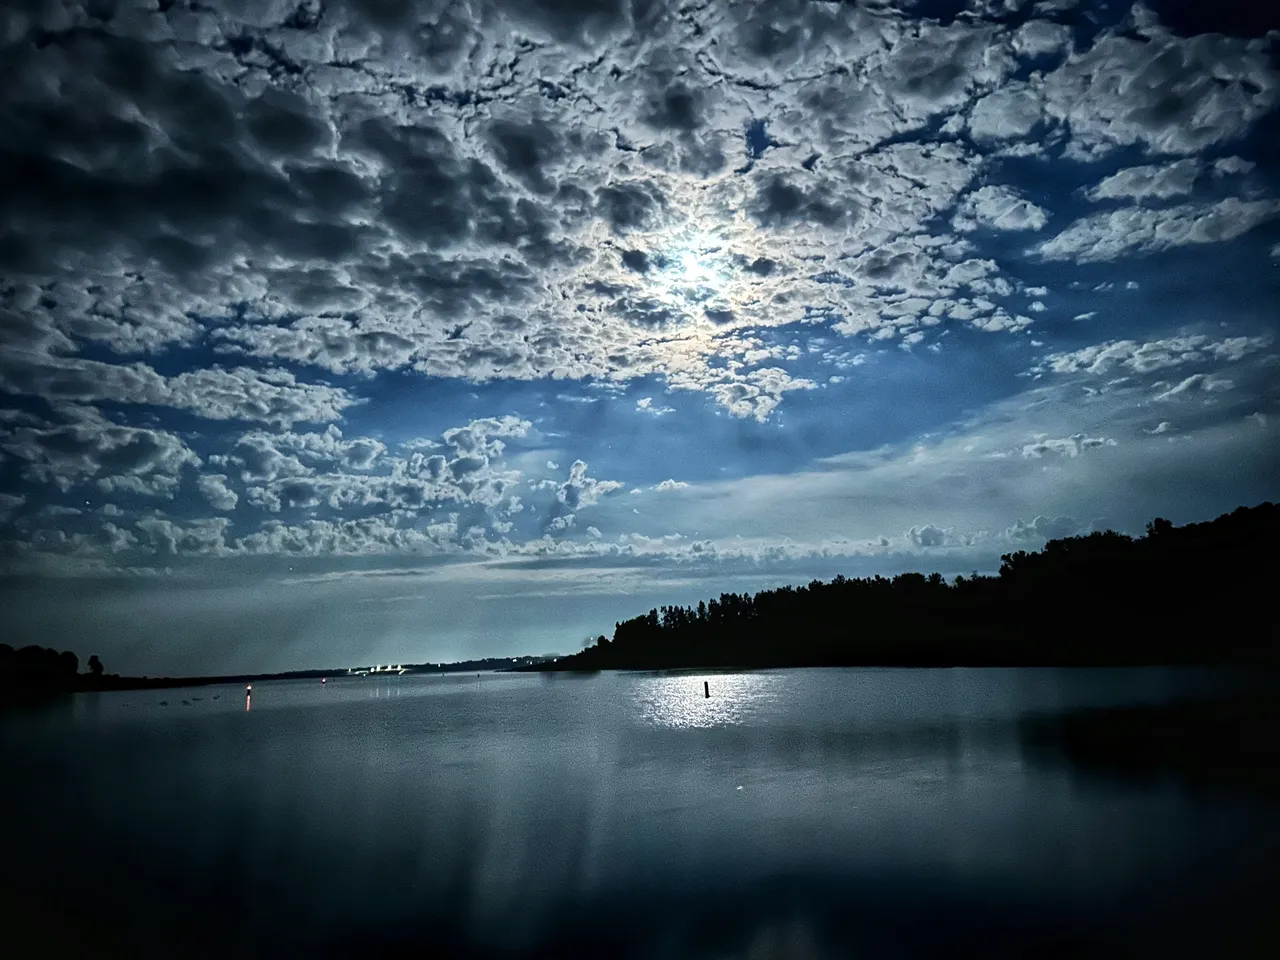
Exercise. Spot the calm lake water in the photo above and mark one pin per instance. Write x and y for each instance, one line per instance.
(885, 813)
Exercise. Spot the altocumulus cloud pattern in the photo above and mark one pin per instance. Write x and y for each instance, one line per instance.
(488, 323)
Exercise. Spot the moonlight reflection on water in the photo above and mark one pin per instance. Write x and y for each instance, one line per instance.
(678, 702)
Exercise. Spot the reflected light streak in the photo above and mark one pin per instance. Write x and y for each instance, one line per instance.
(678, 701)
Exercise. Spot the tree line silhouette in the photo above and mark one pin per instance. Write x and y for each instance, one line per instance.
(39, 671)
(1199, 593)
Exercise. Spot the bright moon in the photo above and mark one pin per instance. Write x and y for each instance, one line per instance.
(694, 271)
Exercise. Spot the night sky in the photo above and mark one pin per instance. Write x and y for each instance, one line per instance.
(342, 332)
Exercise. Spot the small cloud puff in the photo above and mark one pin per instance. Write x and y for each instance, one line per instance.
(1071, 446)
(645, 405)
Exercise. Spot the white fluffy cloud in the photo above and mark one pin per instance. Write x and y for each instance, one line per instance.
(267, 396)
(1108, 236)
(134, 459)
(1197, 383)
(1008, 114)
(1071, 446)
(580, 490)
(1043, 528)
(1149, 181)
(1145, 86)
(214, 488)
(646, 405)
(1153, 355)
(999, 208)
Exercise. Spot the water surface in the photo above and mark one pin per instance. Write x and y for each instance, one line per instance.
(793, 813)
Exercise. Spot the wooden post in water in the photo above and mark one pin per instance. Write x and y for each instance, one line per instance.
(706, 689)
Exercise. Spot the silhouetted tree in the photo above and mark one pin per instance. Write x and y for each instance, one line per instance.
(36, 671)
(1193, 594)
(95, 665)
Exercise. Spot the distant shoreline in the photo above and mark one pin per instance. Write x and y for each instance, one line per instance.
(110, 682)
(575, 666)
(87, 683)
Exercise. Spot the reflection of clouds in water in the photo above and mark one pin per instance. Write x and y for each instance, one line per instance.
(679, 701)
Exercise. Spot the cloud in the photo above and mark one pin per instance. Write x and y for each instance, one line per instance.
(333, 194)
(999, 208)
(306, 471)
(645, 405)
(1144, 86)
(1197, 383)
(134, 459)
(1071, 446)
(214, 488)
(1038, 38)
(1044, 528)
(1149, 182)
(1232, 166)
(266, 240)
(214, 393)
(754, 393)
(481, 437)
(927, 536)
(667, 485)
(196, 537)
(1007, 114)
(581, 490)
(1139, 230)
(1152, 355)
(261, 456)
(1164, 426)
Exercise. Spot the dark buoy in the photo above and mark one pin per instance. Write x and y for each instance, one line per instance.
(706, 689)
